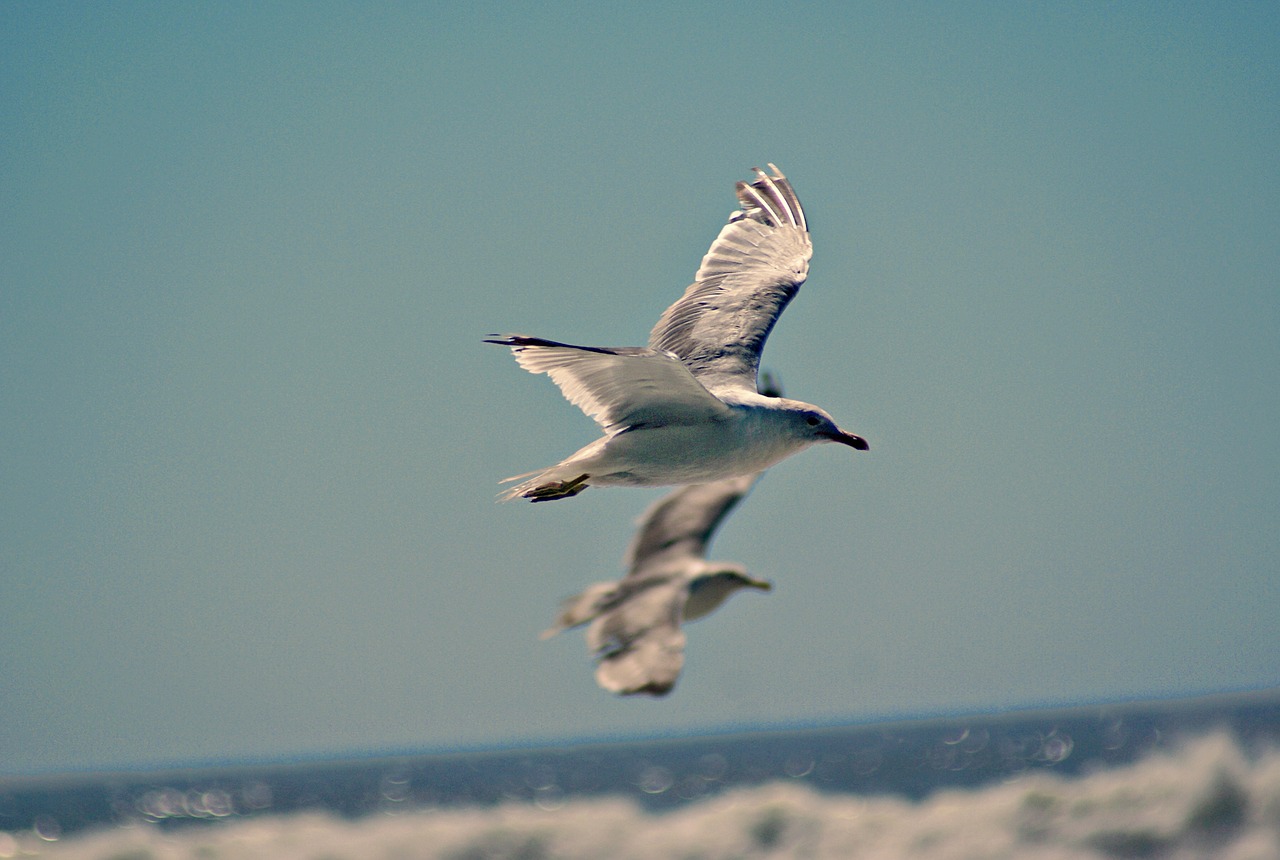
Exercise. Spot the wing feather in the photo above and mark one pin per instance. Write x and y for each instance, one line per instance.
(640, 644)
(750, 273)
(681, 523)
(619, 387)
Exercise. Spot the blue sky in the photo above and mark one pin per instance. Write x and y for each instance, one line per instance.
(251, 439)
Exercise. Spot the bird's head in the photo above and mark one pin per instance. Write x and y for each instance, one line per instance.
(710, 589)
(816, 425)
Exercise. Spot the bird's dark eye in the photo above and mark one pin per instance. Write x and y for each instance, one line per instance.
(812, 421)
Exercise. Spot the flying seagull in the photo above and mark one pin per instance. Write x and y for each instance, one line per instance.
(686, 409)
(635, 621)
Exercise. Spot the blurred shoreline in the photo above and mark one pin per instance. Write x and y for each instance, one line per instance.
(909, 759)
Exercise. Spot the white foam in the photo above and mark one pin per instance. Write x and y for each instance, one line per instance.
(1207, 798)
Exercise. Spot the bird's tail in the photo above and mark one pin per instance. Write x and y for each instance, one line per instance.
(582, 608)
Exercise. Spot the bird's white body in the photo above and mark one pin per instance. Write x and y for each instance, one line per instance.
(750, 437)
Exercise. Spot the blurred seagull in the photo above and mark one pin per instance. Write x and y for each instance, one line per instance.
(635, 622)
(686, 408)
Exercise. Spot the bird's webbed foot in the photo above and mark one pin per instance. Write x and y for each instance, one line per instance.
(557, 490)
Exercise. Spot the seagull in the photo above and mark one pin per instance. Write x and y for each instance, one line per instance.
(686, 409)
(635, 621)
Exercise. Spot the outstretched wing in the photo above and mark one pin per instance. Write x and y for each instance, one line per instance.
(681, 523)
(752, 270)
(639, 643)
(618, 387)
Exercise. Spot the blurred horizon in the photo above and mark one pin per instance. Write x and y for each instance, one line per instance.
(1194, 707)
(1190, 774)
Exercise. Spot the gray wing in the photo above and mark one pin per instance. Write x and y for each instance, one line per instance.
(681, 523)
(639, 643)
(620, 386)
(752, 270)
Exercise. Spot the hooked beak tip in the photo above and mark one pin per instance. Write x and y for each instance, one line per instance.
(855, 442)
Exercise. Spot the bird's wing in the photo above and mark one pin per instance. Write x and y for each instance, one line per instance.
(649, 665)
(752, 270)
(619, 387)
(681, 523)
(639, 643)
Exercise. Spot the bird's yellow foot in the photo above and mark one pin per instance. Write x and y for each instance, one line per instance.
(557, 490)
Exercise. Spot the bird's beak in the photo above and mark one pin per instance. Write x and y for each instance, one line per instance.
(849, 439)
(762, 584)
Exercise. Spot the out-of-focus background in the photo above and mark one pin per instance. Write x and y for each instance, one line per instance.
(251, 439)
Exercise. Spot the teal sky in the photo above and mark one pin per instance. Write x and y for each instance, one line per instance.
(250, 439)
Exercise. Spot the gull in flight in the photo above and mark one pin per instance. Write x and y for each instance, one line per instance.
(686, 409)
(635, 621)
